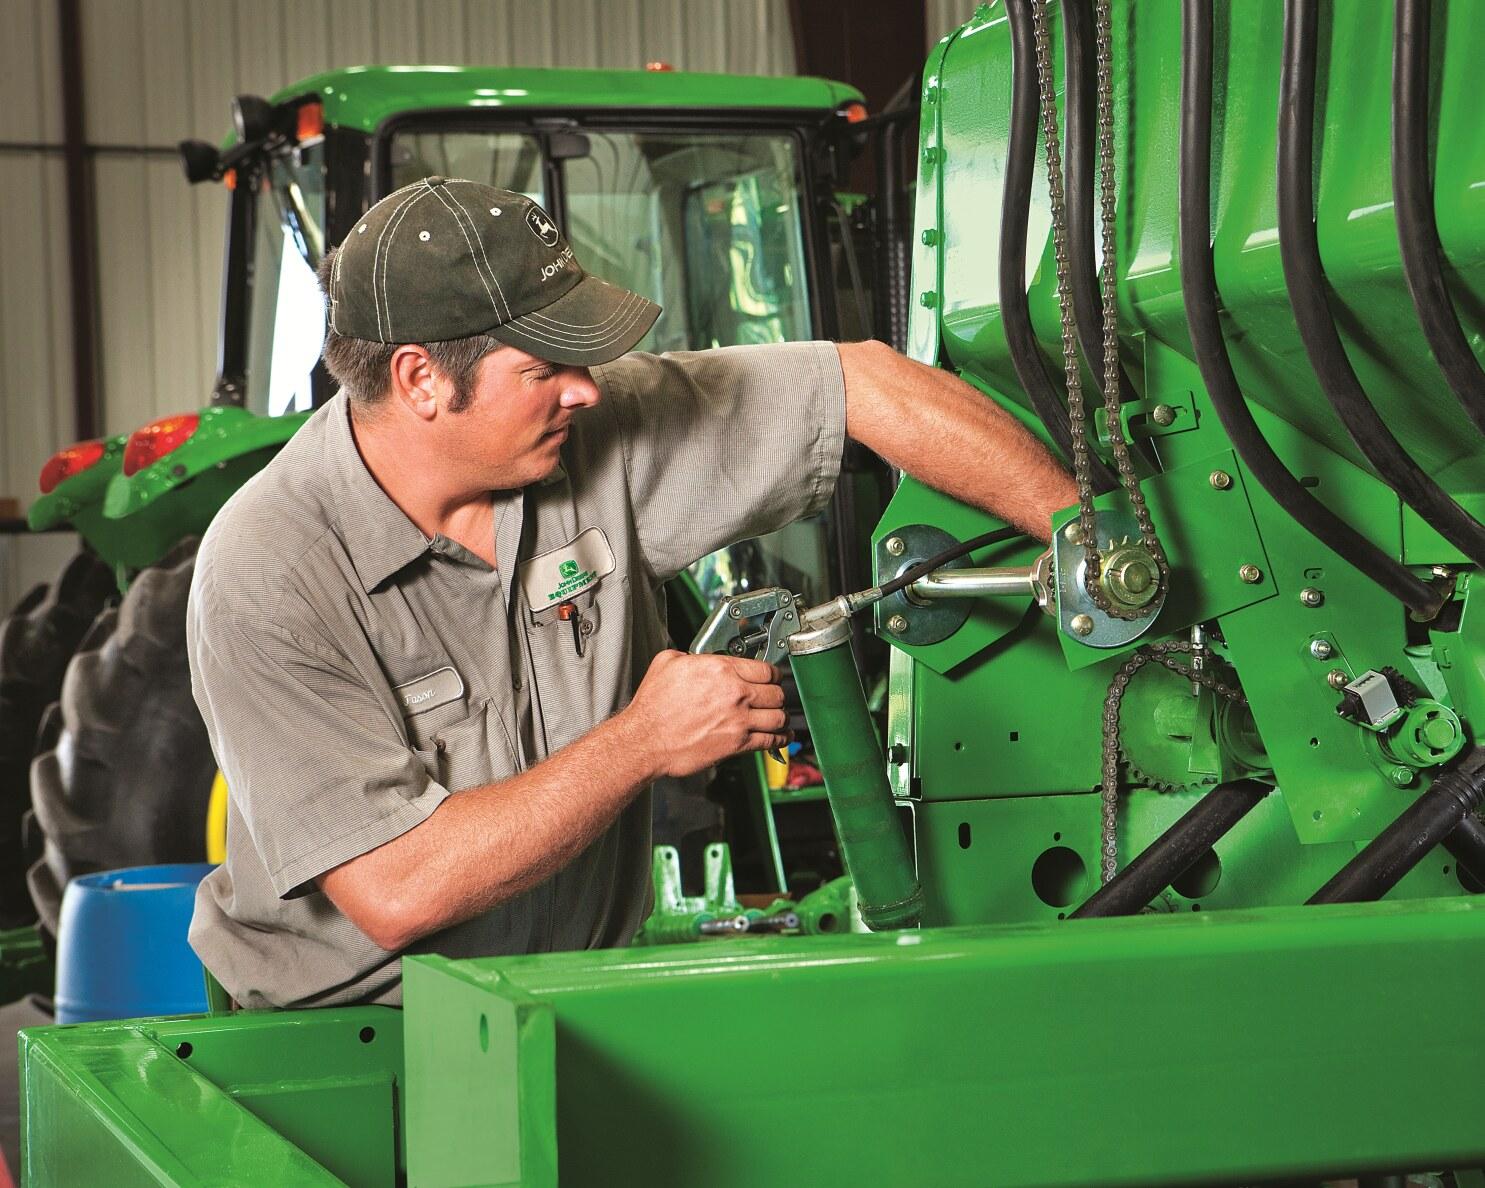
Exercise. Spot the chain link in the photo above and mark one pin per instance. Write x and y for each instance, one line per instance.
(1162, 654)
(1076, 411)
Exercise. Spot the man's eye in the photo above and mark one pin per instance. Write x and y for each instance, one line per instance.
(545, 373)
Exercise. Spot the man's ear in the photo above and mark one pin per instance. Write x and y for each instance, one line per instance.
(414, 382)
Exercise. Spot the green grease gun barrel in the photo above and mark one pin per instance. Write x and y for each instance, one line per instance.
(850, 758)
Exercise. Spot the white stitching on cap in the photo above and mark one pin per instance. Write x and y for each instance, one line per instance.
(376, 255)
(622, 315)
(391, 229)
(488, 266)
(493, 304)
(617, 336)
(559, 325)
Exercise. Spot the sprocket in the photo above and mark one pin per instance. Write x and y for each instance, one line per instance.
(1157, 721)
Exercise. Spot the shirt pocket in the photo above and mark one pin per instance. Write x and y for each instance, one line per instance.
(473, 751)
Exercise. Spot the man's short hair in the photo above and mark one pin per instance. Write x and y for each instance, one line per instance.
(362, 368)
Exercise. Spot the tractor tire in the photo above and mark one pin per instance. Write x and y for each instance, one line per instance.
(36, 642)
(127, 781)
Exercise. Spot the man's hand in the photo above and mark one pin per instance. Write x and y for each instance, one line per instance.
(698, 710)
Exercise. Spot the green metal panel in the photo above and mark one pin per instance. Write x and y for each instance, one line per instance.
(304, 1097)
(1025, 1054)
(364, 96)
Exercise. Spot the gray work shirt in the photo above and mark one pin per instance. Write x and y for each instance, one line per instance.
(353, 673)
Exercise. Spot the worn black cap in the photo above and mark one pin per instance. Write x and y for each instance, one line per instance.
(445, 258)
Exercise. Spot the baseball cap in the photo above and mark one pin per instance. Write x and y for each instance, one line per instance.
(447, 258)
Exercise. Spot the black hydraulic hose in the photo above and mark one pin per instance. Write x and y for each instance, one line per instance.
(1304, 276)
(1199, 290)
(1467, 844)
(1080, 106)
(1430, 819)
(1417, 229)
(1015, 213)
(940, 559)
(1175, 851)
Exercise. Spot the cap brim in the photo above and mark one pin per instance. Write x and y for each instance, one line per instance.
(593, 322)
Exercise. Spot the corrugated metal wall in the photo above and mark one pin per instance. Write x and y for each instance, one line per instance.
(157, 71)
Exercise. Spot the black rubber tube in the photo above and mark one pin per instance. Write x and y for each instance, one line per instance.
(1304, 276)
(1015, 212)
(1407, 841)
(1199, 290)
(1417, 228)
(1467, 844)
(1175, 851)
(1080, 105)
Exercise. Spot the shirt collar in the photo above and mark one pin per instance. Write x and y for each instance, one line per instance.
(378, 536)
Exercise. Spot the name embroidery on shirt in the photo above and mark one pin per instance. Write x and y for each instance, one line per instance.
(439, 687)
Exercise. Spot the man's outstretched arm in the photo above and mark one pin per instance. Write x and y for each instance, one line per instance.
(943, 432)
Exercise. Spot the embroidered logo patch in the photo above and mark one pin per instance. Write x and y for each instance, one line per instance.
(565, 572)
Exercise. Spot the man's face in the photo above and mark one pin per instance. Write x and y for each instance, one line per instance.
(511, 432)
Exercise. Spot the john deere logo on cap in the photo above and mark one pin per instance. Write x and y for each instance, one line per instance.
(541, 226)
(568, 569)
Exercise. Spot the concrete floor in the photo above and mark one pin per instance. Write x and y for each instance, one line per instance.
(12, 1019)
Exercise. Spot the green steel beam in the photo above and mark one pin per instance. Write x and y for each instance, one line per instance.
(1192, 1047)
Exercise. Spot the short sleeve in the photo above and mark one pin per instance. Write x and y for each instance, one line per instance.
(315, 764)
(724, 445)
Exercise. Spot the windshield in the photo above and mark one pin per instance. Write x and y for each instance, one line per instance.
(286, 325)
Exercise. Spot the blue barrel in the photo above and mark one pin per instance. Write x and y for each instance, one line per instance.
(121, 944)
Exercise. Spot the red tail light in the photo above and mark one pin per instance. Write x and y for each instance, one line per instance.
(854, 112)
(151, 443)
(309, 122)
(65, 463)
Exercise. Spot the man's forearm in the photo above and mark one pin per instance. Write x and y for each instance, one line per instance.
(485, 845)
(943, 432)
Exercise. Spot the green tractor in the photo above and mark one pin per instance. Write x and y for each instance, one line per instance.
(716, 195)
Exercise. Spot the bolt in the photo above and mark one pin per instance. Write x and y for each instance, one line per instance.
(928, 299)
(1074, 533)
(895, 545)
(897, 624)
(897, 754)
(1401, 776)
(1081, 625)
(1220, 480)
(1436, 733)
(1311, 596)
(1163, 414)
(1442, 571)
(1250, 574)
(1321, 649)
(1337, 679)
(929, 236)
(736, 612)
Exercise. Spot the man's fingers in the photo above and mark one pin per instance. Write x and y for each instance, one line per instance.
(765, 696)
(758, 672)
(760, 741)
(767, 720)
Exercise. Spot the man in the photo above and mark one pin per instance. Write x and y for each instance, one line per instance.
(427, 639)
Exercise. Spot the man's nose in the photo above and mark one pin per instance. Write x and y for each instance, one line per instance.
(579, 389)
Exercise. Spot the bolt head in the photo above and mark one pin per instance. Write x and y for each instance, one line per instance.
(1437, 733)
(736, 612)
(1220, 480)
(1321, 649)
(895, 546)
(1401, 776)
(1337, 679)
(928, 299)
(1073, 533)
(1163, 414)
(1250, 574)
(1081, 625)
(1311, 596)
(897, 624)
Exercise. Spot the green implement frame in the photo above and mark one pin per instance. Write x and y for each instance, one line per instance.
(1227, 1048)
